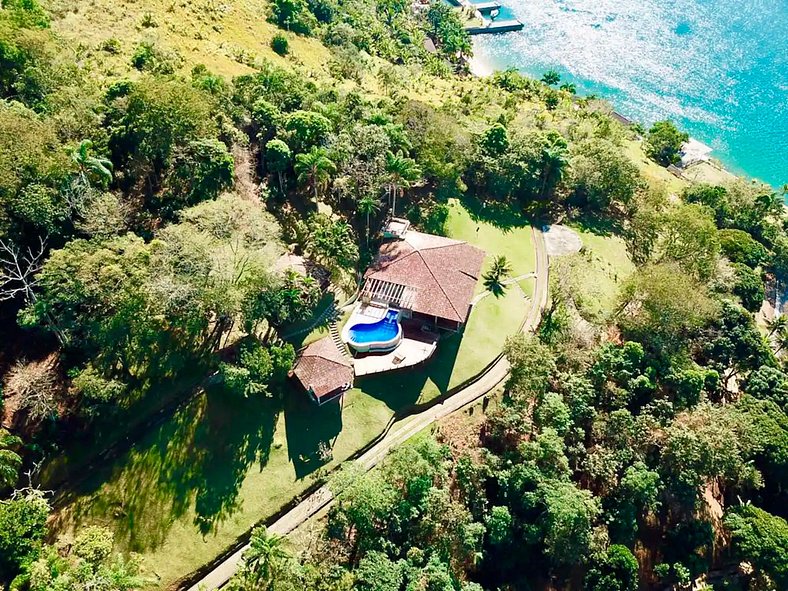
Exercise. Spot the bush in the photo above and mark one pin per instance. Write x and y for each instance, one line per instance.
(740, 247)
(111, 45)
(280, 45)
(664, 142)
(749, 287)
(149, 58)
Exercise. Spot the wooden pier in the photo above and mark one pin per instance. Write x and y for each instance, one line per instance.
(496, 27)
(486, 7)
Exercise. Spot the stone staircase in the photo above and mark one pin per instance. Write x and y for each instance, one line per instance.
(333, 330)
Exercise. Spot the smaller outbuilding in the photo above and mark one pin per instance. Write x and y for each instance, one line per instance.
(323, 371)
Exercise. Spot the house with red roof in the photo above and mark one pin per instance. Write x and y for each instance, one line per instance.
(418, 285)
(428, 278)
(323, 371)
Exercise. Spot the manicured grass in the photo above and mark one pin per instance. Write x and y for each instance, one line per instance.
(509, 237)
(190, 487)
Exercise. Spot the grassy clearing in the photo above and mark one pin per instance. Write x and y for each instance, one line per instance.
(655, 174)
(598, 272)
(706, 172)
(224, 36)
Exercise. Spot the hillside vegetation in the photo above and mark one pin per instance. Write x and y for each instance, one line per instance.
(158, 159)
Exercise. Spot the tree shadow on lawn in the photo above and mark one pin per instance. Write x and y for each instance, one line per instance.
(600, 225)
(307, 426)
(499, 214)
(195, 462)
(403, 388)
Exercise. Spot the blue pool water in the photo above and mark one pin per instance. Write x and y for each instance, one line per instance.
(381, 331)
(719, 68)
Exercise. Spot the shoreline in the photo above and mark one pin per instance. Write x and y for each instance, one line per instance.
(481, 67)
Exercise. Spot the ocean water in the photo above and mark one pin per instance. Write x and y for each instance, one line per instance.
(718, 68)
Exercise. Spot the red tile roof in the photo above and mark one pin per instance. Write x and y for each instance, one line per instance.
(444, 272)
(322, 368)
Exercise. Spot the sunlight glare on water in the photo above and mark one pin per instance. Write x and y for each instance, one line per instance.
(719, 68)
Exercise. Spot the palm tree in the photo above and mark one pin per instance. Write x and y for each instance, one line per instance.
(368, 205)
(782, 341)
(778, 324)
(264, 556)
(493, 279)
(551, 77)
(315, 169)
(403, 172)
(555, 161)
(91, 165)
(9, 460)
(569, 87)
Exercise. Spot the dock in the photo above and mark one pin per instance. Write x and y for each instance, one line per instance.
(485, 7)
(496, 27)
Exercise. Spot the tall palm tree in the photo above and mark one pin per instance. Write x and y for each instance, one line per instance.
(782, 341)
(315, 169)
(403, 172)
(366, 206)
(264, 556)
(90, 164)
(777, 324)
(10, 461)
(555, 161)
(569, 87)
(551, 77)
(493, 279)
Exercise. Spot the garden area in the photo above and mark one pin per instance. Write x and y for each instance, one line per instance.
(192, 485)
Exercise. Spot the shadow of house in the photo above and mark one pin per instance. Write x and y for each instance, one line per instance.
(403, 388)
(311, 431)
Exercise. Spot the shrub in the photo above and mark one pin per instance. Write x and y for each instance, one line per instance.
(149, 58)
(740, 247)
(111, 45)
(280, 45)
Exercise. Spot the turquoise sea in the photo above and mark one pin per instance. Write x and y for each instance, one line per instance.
(719, 68)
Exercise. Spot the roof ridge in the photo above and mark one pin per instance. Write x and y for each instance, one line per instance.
(438, 283)
(329, 359)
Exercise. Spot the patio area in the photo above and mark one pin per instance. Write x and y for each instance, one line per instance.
(415, 347)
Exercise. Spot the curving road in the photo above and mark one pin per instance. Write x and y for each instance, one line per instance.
(400, 431)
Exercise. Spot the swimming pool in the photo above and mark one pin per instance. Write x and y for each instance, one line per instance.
(382, 335)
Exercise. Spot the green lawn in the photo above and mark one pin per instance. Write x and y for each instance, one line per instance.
(598, 272)
(192, 485)
(510, 238)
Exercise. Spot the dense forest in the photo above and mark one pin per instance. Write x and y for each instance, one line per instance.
(146, 199)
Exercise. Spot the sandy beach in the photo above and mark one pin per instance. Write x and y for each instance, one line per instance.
(480, 67)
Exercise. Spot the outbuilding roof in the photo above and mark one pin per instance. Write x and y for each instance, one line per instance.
(323, 369)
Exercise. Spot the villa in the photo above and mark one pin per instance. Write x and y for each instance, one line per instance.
(419, 284)
(430, 279)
